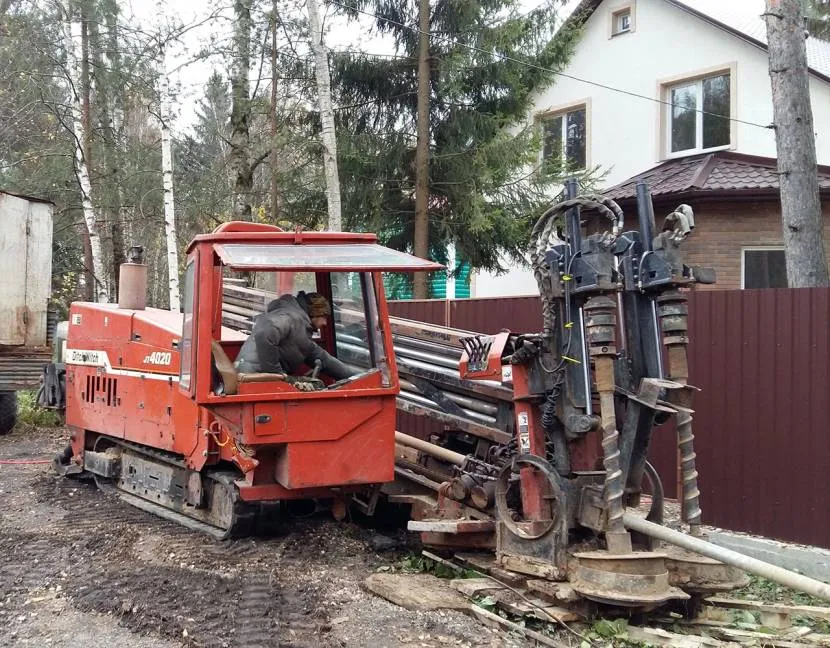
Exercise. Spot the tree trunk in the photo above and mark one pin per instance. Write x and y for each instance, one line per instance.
(87, 22)
(240, 159)
(321, 65)
(106, 81)
(421, 243)
(275, 185)
(86, 142)
(795, 142)
(167, 178)
(73, 36)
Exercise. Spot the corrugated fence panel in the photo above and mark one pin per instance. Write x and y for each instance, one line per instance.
(762, 360)
(490, 315)
(433, 311)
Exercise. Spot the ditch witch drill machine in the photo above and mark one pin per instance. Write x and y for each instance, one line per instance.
(158, 412)
(542, 452)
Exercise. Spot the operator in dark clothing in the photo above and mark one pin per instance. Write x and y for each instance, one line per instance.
(281, 342)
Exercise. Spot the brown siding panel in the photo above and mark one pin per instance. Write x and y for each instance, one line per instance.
(432, 311)
(491, 315)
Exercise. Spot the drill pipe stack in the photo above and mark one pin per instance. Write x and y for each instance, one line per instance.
(427, 358)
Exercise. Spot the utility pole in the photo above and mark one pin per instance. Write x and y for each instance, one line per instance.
(422, 151)
(796, 145)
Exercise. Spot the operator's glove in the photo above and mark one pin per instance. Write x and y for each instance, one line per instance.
(305, 383)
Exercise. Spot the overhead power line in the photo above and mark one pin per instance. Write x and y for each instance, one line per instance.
(505, 57)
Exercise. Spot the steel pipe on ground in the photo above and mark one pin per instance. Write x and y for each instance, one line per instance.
(747, 563)
(431, 449)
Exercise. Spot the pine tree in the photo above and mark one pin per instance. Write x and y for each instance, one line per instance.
(485, 186)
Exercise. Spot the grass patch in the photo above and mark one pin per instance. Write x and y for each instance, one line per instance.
(30, 413)
(415, 563)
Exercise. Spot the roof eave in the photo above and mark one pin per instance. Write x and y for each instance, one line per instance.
(723, 195)
(737, 33)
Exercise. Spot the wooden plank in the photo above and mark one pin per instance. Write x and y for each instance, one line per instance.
(495, 621)
(486, 564)
(525, 565)
(660, 637)
(475, 586)
(814, 612)
(762, 638)
(522, 603)
(452, 526)
(553, 591)
(416, 591)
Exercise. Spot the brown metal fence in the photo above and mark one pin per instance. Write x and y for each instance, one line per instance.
(762, 361)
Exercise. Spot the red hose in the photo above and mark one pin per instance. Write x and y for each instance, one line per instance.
(23, 462)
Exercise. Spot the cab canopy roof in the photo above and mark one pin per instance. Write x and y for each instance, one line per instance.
(255, 246)
(343, 257)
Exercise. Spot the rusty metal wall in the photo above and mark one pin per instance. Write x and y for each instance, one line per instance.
(762, 361)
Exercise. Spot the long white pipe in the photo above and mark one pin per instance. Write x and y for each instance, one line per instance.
(430, 448)
(748, 564)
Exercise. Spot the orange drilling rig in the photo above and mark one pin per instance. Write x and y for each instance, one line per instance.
(157, 410)
(541, 451)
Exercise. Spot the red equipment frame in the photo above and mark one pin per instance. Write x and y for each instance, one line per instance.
(134, 375)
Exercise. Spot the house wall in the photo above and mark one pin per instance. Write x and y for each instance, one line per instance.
(667, 43)
(625, 132)
(723, 229)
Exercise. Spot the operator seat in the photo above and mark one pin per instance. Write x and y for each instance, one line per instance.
(228, 378)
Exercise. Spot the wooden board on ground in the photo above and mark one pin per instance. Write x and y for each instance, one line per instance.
(487, 564)
(553, 591)
(416, 591)
(659, 637)
(475, 586)
(814, 612)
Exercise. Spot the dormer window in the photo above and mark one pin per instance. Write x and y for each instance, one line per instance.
(622, 20)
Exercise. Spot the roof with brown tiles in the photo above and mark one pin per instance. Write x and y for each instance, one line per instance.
(713, 174)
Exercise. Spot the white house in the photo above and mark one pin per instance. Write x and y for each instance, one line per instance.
(642, 83)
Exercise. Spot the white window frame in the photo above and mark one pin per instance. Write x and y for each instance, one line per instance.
(615, 13)
(665, 88)
(562, 111)
(754, 248)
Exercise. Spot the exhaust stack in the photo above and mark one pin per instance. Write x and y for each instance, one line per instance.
(132, 281)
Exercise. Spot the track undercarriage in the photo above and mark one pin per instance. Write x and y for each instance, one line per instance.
(161, 483)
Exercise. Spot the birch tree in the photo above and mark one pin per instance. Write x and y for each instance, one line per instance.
(326, 116)
(72, 42)
(165, 115)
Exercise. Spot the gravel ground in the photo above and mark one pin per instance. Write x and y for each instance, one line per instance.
(80, 568)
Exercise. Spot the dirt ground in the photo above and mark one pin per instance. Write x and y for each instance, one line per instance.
(80, 568)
